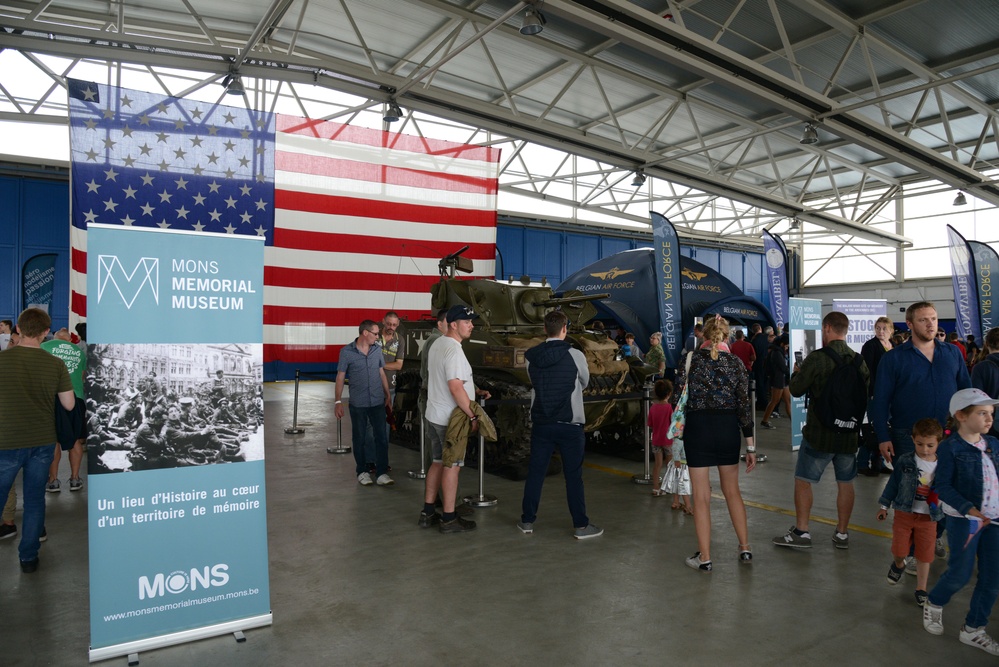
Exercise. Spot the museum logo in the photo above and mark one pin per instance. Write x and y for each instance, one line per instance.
(179, 581)
(112, 275)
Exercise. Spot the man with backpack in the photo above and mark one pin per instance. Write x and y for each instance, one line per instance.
(836, 380)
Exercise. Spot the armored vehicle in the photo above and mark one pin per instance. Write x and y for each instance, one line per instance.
(511, 321)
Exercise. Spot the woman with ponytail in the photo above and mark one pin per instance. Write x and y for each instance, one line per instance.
(717, 410)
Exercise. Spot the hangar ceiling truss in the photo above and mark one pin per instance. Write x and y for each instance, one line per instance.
(707, 98)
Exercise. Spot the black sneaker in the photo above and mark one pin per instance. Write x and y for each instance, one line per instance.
(44, 536)
(767, 425)
(7, 531)
(696, 563)
(921, 597)
(428, 520)
(458, 525)
(894, 573)
(29, 566)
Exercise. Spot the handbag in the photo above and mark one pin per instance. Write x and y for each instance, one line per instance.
(677, 480)
(680, 414)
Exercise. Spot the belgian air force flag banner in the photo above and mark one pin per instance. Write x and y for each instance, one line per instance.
(777, 281)
(986, 264)
(667, 263)
(175, 199)
(966, 308)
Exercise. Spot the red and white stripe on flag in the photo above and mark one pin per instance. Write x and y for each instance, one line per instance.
(362, 218)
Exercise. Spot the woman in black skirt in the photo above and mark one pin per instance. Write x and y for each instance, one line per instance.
(717, 411)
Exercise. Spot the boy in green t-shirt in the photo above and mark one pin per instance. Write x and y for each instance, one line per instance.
(76, 361)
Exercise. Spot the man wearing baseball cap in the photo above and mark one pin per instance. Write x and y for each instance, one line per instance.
(449, 386)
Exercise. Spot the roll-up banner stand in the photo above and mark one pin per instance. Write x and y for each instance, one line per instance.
(862, 313)
(806, 336)
(178, 530)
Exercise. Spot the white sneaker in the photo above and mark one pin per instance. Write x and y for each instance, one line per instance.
(933, 620)
(384, 480)
(910, 565)
(365, 479)
(979, 639)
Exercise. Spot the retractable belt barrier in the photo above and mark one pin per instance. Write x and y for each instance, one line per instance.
(481, 500)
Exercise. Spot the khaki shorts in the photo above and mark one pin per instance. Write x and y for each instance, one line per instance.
(449, 457)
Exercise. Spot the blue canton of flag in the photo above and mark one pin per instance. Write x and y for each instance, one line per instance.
(147, 160)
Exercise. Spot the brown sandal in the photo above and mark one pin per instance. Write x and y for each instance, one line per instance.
(687, 510)
(675, 506)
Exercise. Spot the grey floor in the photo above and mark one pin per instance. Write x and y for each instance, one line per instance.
(353, 580)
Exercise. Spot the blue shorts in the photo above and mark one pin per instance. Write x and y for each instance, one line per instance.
(811, 463)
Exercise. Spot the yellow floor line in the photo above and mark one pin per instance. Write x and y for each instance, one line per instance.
(756, 505)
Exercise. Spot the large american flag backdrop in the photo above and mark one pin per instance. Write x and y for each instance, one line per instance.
(355, 219)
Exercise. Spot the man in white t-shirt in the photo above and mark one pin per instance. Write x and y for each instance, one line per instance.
(449, 386)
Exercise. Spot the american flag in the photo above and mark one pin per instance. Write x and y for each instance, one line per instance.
(355, 219)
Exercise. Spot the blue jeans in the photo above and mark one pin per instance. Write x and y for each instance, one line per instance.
(369, 443)
(901, 441)
(569, 440)
(961, 564)
(35, 462)
(361, 419)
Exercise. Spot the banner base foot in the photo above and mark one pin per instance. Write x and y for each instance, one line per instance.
(133, 659)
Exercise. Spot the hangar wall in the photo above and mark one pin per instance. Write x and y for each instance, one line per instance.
(34, 219)
(554, 253)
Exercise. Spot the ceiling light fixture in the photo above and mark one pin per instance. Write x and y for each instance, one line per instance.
(639, 179)
(534, 22)
(960, 199)
(393, 113)
(810, 136)
(233, 84)
(795, 223)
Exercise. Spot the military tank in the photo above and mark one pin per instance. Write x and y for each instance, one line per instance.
(511, 321)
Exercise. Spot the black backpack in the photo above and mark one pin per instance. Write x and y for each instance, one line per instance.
(843, 402)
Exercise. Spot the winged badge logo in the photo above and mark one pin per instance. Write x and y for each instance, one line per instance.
(612, 274)
(693, 275)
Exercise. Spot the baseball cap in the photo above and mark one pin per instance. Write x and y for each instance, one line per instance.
(968, 397)
(456, 313)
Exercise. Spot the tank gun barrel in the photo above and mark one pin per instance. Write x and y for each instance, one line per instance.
(578, 298)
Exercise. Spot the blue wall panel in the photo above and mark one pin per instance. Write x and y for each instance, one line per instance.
(580, 250)
(510, 242)
(543, 255)
(609, 246)
(34, 220)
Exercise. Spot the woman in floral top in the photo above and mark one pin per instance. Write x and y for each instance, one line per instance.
(717, 410)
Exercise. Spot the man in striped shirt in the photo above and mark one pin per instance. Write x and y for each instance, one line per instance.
(30, 381)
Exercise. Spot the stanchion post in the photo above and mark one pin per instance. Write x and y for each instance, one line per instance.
(760, 458)
(646, 397)
(339, 449)
(422, 472)
(481, 500)
(294, 429)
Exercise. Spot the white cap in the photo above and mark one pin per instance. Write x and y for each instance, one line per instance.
(968, 397)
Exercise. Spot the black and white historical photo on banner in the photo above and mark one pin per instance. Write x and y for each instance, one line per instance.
(162, 405)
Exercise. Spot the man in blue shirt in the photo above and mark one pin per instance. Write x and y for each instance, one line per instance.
(915, 380)
(362, 360)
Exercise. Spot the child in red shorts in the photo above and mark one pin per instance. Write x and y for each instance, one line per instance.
(916, 508)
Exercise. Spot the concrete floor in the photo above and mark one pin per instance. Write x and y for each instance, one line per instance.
(353, 580)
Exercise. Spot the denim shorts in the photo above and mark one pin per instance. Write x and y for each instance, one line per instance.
(438, 435)
(811, 464)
